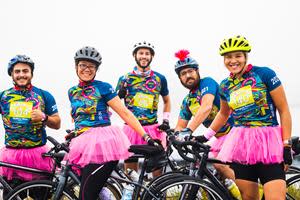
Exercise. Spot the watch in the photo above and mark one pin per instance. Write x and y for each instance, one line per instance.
(44, 118)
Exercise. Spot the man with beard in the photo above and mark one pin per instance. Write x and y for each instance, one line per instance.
(140, 89)
(202, 103)
(26, 111)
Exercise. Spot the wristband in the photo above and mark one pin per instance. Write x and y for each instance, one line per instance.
(166, 115)
(209, 133)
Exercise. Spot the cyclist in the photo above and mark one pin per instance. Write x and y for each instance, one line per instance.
(202, 103)
(26, 111)
(257, 145)
(99, 145)
(140, 89)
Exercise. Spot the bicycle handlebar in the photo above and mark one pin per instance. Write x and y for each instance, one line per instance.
(58, 146)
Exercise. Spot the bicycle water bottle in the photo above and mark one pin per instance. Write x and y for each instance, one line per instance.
(127, 192)
(233, 189)
(129, 188)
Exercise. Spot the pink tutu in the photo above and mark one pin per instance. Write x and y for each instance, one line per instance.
(216, 146)
(152, 130)
(253, 145)
(25, 157)
(99, 145)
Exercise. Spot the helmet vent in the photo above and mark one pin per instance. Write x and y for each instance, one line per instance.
(241, 42)
(229, 41)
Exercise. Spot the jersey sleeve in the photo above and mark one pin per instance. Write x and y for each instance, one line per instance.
(50, 104)
(185, 112)
(209, 86)
(269, 77)
(107, 92)
(120, 82)
(164, 86)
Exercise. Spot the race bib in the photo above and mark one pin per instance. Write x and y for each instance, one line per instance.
(241, 97)
(20, 109)
(194, 108)
(143, 100)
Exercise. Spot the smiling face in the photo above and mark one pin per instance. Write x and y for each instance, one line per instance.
(22, 75)
(235, 62)
(189, 77)
(86, 71)
(143, 58)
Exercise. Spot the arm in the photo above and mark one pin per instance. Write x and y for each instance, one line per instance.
(203, 112)
(280, 101)
(116, 104)
(52, 121)
(181, 124)
(167, 103)
(222, 116)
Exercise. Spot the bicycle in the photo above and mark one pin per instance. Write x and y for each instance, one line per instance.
(53, 153)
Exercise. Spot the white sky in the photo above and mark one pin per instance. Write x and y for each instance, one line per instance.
(50, 32)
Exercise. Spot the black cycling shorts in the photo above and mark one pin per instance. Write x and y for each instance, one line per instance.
(263, 172)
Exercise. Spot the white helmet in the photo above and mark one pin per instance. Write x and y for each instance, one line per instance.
(143, 44)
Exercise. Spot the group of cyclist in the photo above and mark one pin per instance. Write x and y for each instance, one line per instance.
(239, 114)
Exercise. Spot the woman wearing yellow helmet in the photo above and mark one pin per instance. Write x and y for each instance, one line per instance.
(257, 145)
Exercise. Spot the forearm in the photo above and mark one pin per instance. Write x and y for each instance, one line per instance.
(53, 121)
(286, 124)
(132, 121)
(201, 115)
(219, 121)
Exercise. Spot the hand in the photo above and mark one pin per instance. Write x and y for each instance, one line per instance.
(122, 91)
(287, 155)
(201, 139)
(150, 141)
(71, 134)
(164, 126)
(184, 134)
(37, 115)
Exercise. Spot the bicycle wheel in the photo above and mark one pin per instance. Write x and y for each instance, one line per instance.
(38, 190)
(293, 188)
(184, 187)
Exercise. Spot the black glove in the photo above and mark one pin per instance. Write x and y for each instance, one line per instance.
(287, 155)
(122, 91)
(201, 139)
(185, 134)
(164, 126)
(150, 141)
(71, 134)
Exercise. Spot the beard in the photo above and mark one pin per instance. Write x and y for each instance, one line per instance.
(193, 85)
(26, 82)
(138, 62)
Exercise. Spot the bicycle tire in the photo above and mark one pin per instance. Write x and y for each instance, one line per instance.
(173, 189)
(293, 187)
(38, 190)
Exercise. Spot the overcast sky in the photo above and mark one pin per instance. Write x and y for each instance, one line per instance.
(50, 32)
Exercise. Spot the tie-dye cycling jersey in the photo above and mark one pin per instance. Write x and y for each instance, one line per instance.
(15, 107)
(192, 102)
(89, 104)
(143, 94)
(249, 97)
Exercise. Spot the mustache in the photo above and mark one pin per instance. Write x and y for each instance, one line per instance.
(187, 80)
(21, 77)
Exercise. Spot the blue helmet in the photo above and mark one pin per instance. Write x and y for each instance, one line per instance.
(184, 61)
(19, 59)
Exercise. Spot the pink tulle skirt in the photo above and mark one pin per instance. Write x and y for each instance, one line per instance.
(216, 146)
(152, 130)
(99, 145)
(253, 145)
(25, 157)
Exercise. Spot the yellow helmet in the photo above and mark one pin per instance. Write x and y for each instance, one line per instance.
(236, 43)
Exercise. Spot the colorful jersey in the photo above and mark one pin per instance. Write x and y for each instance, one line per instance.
(192, 102)
(143, 94)
(89, 104)
(249, 97)
(15, 107)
